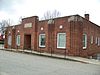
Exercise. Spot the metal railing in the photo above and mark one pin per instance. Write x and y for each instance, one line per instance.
(51, 52)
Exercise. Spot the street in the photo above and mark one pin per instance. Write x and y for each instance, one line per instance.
(12, 63)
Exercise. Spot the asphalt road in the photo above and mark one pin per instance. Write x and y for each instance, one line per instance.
(12, 63)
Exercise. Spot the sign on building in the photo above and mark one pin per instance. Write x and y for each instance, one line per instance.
(28, 25)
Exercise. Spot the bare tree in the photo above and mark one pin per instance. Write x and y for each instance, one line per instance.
(20, 19)
(3, 25)
(50, 15)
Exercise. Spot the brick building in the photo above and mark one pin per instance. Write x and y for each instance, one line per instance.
(71, 35)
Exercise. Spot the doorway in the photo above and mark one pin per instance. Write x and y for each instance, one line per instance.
(27, 42)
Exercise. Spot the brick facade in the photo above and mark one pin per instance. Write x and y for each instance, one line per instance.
(74, 26)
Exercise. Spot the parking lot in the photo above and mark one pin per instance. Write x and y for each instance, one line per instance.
(12, 63)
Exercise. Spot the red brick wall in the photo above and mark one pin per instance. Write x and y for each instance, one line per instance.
(29, 31)
(17, 32)
(91, 29)
(65, 29)
(74, 30)
(51, 31)
(7, 33)
(76, 37)
(44, 25)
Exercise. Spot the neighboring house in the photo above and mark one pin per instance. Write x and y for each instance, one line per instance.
(75, 35)
(1, 37)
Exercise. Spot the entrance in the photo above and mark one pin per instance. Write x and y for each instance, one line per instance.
(27, 42)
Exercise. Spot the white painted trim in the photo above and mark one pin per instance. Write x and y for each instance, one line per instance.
(40, 41)
(91, 39)
(85, 41)
(58, 40)
(84, 47)
(18, 36)
(9, 40)
(96, 40)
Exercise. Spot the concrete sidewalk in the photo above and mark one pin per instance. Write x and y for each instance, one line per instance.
(72, 58)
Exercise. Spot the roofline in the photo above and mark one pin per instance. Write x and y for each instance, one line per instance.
(59, 17)
(29, 17)
(90, 21)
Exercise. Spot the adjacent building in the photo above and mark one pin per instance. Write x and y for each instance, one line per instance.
(71, 35)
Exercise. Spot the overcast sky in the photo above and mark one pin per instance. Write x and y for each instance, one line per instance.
(13, 9)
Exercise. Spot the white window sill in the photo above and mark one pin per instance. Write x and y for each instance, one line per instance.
(18, 45)
(62, 47)
(84, 47)
(42, 46)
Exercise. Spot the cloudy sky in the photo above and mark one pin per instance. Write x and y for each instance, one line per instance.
(13, 9)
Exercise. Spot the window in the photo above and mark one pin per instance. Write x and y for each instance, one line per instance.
(61, 40)
(91, 39)
(84, 41)
(42, 40)
(9, 40)
(96, 40)
(18, 40)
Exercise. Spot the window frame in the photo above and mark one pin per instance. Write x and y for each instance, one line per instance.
(58, 40)
(96, 40)
(18, 40)
(91, 39)
(84, 47)
(40, 40)
(9, 40)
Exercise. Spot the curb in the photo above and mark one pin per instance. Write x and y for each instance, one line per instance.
(50, 56)
(40, 54)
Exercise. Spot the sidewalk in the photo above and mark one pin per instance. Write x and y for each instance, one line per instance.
(72, 58)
